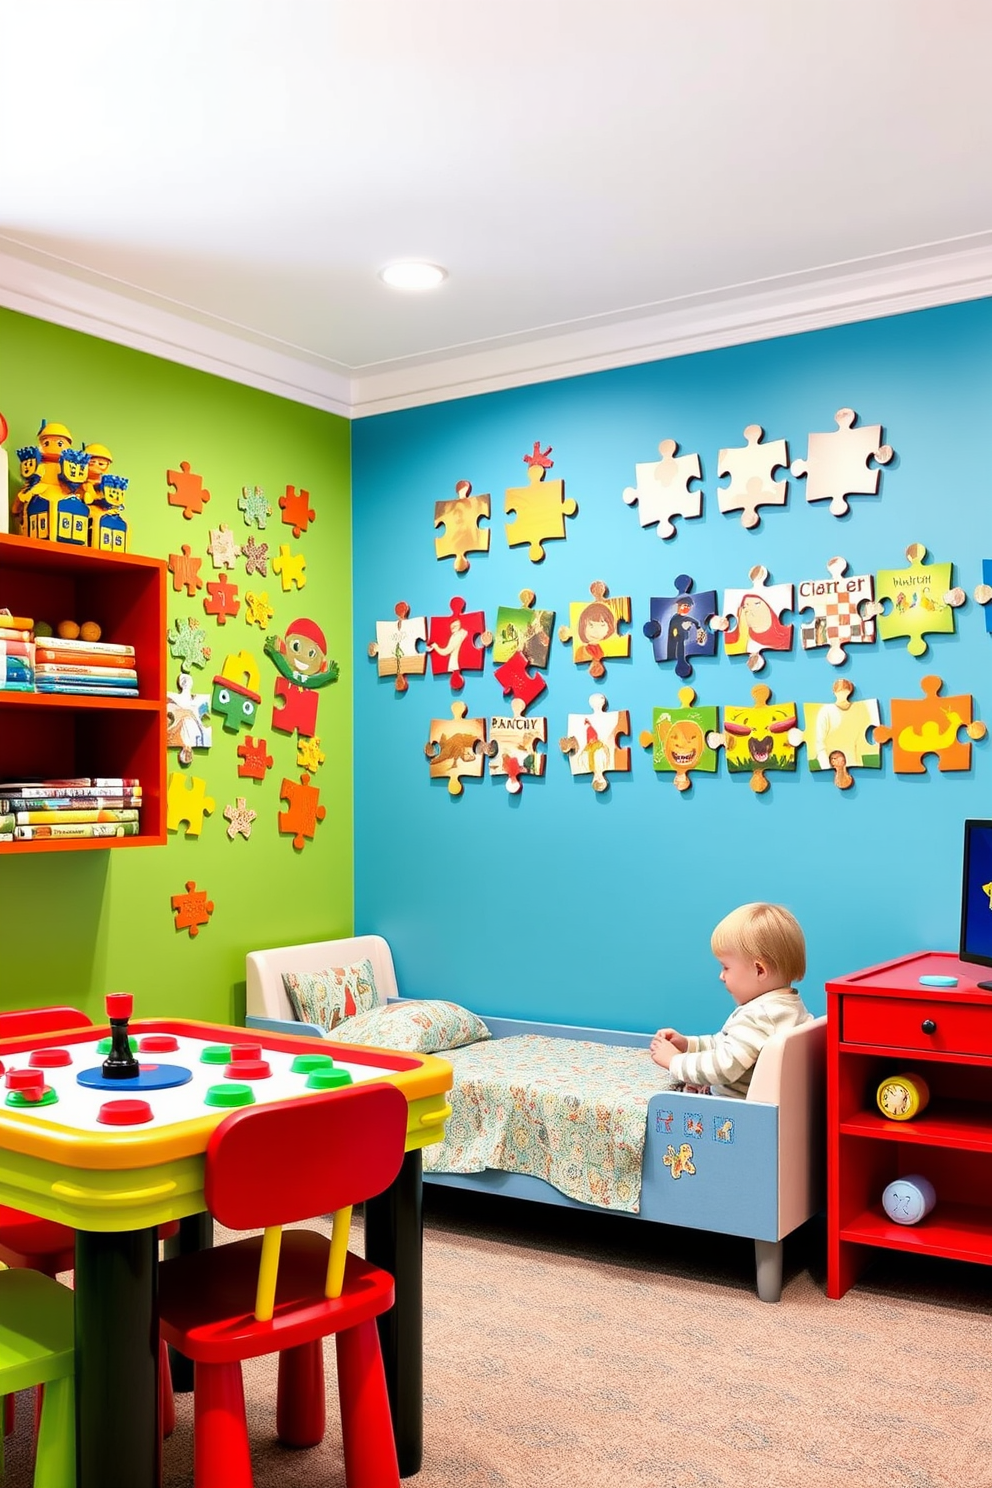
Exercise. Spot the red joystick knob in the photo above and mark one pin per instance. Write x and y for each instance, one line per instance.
(124, 1112)
(119, 1004)
(26, 1080)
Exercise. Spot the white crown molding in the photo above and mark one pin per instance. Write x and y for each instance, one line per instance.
(913, 280)
(35, 290)
(900, 283)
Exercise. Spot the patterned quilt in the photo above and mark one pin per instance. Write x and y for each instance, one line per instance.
(570, 1111)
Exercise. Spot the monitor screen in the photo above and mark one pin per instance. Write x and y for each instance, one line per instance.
(976, 894)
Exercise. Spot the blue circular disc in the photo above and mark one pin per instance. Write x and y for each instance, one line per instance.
(149, 1077)
(938, 981)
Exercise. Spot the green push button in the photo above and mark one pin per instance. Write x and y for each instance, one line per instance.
(231, 1094)
(327, 1079)
(21, 1100)
(303, 1063)
(103, 1047)
(216, 1054)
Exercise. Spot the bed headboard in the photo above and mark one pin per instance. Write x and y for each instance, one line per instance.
(791, 1074)
(267, 997)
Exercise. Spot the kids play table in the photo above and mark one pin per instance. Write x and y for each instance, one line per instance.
(115, 1183)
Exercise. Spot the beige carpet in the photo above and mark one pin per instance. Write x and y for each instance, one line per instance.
(583, 1350)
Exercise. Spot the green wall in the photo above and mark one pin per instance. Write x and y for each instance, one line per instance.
(75, 925)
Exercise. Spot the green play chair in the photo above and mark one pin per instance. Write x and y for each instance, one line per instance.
(37, 1347)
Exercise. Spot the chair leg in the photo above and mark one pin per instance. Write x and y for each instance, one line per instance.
(366, 1423)
(220, 1431)
(301, 1414)
(55, 1452)
(167, 1400)
(768, 1262)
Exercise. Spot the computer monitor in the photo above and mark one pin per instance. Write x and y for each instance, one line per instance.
(976, 894)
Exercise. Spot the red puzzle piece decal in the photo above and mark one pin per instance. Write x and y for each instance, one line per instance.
(298, 711)
(456, 643)
(304, 810)
(254, 759)
(192, 909)
(296, 510)
(223, 600)
(187, 490)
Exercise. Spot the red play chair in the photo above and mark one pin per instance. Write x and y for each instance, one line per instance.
(32, 1244)
(268, 1166)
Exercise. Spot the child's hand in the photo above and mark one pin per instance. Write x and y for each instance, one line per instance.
(672, 1036)
(663, 1051)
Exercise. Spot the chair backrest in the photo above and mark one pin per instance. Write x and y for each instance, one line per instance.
(27, 1021)
(265, 994)
(290, 1160)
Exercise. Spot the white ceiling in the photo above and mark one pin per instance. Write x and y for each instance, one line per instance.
(232, 174)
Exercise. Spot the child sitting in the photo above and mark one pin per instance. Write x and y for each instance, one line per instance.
(761, 951)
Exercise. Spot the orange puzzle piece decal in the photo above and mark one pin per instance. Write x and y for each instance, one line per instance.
(192, 909)
(187, 490)
(930, 726)
(304, 810)
(296, 510)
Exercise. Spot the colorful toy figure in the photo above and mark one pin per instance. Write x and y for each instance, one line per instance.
(303, 665)
(29, 458)
(108, 525)
(52, 440)
(235, 692)
(100, 461)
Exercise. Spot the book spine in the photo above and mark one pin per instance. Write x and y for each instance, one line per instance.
(88, 814)
(40, 787)
(7, 824)
(6, 634)
(45, 654)
(69, 803)
(16, 687)
(99, 648)
(15, 669)
(16, 648)
(98, 673)
(61, 687)
(52, 831)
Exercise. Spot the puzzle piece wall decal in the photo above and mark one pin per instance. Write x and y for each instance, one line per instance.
(751, 619)
(839, 737)
(844, 609)
(836, 464)
(594, 628)
(591, 742)
(186, 642)
(460, 519)
(680, 626)
(305, 810)
(662, 489)
(309, 755)
(982, 592)
(921, 598)
(296, 511)
(291, 568)
(258, 611)
(760, 738)
(240, 817)
(223, 550)
(540, 507)
(931, 726)
(395, 646)
(187, 801)
(192, 909)
(185, 570)
(679, 738)
(750, 469)
(456, 750)
(187, 716)
(222, 599)
(522, 639)
(187, 490)
(253, 504)
(254, 759)
(256, 556)
(456, 643)
(516, 739)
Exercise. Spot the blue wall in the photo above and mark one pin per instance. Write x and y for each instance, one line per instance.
(563, 905)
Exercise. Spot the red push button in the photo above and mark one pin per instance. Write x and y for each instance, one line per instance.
(248, 1069)
(50, 1058)
(158, 1043)
(124, 1112)
(28, 1081)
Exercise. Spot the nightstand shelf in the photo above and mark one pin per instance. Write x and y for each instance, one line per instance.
(69, 735)
(883, 1022)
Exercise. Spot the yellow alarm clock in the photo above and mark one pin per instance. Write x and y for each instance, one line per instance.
(901, 1097)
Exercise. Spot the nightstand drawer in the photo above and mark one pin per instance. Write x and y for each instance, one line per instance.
(899, 1023)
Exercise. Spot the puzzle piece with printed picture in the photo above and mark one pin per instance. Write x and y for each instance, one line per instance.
(844, 609)
(680, 625)
(662, 489)
(679, 739)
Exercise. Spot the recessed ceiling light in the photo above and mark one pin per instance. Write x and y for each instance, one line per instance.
(413, 275)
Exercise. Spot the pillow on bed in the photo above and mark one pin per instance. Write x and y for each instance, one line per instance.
(414, 1026)
(327, 998)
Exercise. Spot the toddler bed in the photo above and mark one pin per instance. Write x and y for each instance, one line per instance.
(578, 1117)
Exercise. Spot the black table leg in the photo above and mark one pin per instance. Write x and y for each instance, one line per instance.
(118, 1440)
(394, 1239)
(196, 1232)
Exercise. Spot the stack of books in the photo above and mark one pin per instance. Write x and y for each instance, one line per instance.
(16, 653)
(97, 668)
(90, 806)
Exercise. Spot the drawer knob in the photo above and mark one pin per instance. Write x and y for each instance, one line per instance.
(929, 1026)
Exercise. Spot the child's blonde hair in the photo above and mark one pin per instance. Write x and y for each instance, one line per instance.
(764, 932)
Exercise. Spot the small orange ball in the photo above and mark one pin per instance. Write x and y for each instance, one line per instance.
(68, 630)
(90, 631)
